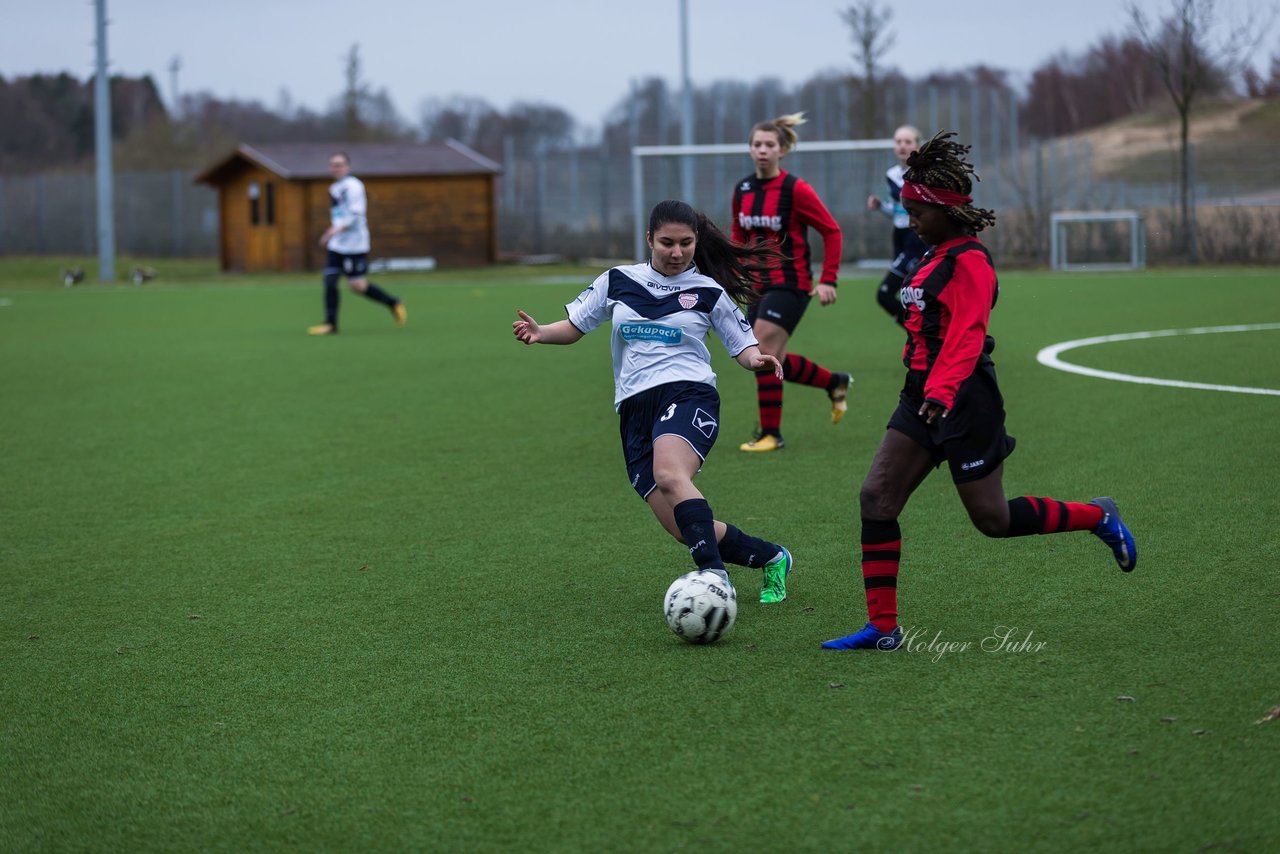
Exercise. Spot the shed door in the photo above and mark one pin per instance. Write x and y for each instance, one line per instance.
(262, 245)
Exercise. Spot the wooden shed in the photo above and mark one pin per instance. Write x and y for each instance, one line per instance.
(425, 200)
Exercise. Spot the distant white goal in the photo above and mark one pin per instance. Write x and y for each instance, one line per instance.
(1099, 240)
(736, 154)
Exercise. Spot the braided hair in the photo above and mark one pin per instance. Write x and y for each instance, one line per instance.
(941, 163)
(736, 268)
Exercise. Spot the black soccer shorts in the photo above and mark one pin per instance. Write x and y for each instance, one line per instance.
(972, 438)
(783, 306)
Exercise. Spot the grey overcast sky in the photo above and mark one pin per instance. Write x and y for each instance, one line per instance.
(577, 54)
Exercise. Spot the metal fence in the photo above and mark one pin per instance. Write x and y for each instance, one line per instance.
(156, 214)
(577, 202)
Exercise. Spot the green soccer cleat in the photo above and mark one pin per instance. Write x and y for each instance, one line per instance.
(774, 588)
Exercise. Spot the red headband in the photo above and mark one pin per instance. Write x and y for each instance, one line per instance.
(933, 195)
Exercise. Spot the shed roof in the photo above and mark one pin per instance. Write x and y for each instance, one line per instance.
(307, 160)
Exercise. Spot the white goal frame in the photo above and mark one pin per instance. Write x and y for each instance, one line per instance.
(639, 152)
(1058, 243)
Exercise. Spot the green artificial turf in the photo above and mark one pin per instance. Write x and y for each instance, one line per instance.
(391, 590)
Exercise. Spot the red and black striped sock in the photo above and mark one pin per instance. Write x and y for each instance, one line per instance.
(1028, 515)
(881, 551)
(769, 398)
(798, 369)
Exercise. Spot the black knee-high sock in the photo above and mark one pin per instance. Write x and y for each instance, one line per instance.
(743, 549)
(331, 298)
(887, 296)
(377, 294)
(698, 527)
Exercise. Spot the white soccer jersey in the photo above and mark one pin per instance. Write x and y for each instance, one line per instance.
(660, 324)
(348, 210)
(901, 219)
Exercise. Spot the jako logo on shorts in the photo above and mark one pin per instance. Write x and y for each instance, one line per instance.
(650, 332)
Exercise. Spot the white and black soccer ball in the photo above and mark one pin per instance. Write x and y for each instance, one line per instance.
(700, 607)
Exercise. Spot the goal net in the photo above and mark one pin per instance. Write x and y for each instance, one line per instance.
(1097, 240)
(843, 172)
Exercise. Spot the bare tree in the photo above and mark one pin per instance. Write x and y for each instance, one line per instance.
(353, 94)
(1191, 47)
(868, 25)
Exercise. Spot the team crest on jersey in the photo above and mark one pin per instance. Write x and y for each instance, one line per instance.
(687, 301)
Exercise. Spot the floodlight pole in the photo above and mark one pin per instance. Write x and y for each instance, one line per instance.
(686, 106)
(102, 151)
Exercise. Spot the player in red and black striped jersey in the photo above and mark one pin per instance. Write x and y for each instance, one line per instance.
(775, 208)
(950, 407)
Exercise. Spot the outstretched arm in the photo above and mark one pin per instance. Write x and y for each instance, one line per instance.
(529, 331)
(753, 360)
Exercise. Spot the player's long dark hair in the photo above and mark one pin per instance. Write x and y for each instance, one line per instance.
(940, 162)
(737, 268)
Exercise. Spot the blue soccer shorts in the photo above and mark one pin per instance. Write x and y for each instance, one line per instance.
(686, 409)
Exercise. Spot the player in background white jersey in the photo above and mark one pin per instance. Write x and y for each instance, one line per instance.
(665, 390)
(908, 248)
(347, 242)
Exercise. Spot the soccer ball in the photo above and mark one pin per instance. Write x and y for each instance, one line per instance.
(700, 606)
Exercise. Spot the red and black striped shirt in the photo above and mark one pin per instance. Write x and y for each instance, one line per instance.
(948, 301)
(780, 211)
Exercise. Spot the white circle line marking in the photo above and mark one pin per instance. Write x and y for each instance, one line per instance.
(1049, 357)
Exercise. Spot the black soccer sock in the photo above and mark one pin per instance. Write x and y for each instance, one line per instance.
(331, 298)
(698, 527)
(887, 296)
(377, 294)
(746, 550)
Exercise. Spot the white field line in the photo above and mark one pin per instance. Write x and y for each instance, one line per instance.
(1049, 357)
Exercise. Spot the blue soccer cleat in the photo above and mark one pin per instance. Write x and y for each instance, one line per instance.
(1112, 531)
(868, 637)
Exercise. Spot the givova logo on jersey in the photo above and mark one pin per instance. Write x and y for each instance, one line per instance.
(912, 296)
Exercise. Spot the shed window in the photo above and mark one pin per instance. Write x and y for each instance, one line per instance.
(255, 210)
(271, 203)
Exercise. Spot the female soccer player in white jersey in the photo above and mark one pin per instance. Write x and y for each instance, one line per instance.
(347, 242)
(908, 248)
(665, 390)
